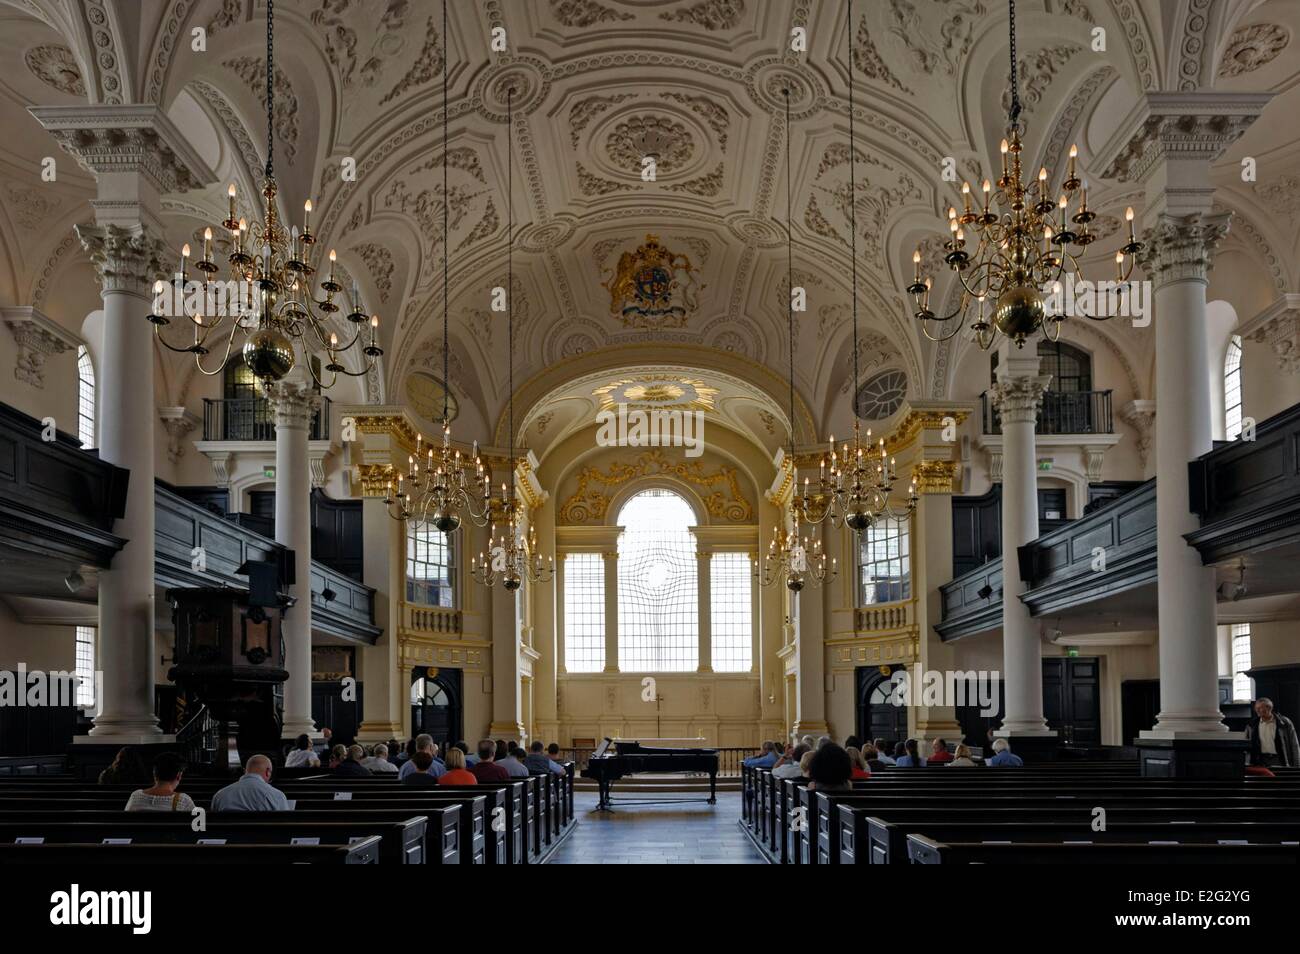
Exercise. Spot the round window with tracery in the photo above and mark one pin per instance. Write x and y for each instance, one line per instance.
(882, 395)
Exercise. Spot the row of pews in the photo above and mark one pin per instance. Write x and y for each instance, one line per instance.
(1039, 814)
(58, 819)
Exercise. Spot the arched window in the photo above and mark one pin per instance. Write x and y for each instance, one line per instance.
(1070, 367)
(658, 606)
(85, 398)
(1232, 389)
(430, 566)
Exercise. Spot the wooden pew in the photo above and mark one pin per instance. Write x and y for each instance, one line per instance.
(925, 851)
(364, 852)
(401, 842)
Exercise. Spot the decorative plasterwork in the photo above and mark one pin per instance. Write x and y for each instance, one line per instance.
(124, 259)
(1141, 416)
(179, 422)
(867, 60)
(718, 489)
(37, 337)
(1019, 398)
(1037, 71)
(935, 476)
(1193, 51)
(585, 13)
(379, 262)
(1169, 126)
(709, 14)
(657, 391)
(252, 72)
(1253, 46)
(30, 206)
(107, 139)
(1278, 326)
(54, 65)
(938, 47)
(1281, 194)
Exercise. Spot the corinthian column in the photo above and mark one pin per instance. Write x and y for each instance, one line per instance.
(136, 156)
(295, 405)
(1018, 395)
(127, 260)
(1177, 261)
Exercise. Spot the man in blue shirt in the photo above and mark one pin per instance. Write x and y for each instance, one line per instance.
(253, 792)
(766, 759)
(1002, 754)
(424, 743)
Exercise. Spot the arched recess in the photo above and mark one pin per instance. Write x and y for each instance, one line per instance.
(657, 482)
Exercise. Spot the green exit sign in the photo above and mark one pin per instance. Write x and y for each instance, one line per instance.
(1072, 651)
(268, 473)
(1045, 463)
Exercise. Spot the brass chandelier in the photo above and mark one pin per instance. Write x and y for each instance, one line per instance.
(855, 483)
(788, 557)
(443, 493)
(509, 560)
(268, 303)
(1026, 240)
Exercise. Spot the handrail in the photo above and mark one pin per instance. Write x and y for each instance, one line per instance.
(253, 419)
(1063, 412)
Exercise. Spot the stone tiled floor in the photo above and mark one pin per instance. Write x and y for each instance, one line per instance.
(681, 834)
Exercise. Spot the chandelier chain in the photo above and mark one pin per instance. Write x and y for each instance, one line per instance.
(510, 283)
(270, 86)
(853, 211)
(446, 236)
(1015, 69)
(789, 260)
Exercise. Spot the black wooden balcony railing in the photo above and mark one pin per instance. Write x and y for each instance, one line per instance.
(253, 419)
(1063, 412)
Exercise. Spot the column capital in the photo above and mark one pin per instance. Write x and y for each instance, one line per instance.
(935, 476)
(136, 138)
(38, 337)
(1019, 398)
(1174, 126)
(294, 402)
(126, 258)
(1181, 247)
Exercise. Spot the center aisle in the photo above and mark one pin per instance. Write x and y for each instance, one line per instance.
(682, 834)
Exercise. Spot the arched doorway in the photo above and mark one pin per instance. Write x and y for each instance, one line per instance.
(436, 704)
(878, 717)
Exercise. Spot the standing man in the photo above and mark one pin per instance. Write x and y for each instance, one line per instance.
(1272, 737)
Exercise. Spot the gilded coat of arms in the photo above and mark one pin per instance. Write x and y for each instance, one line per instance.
(652, 287)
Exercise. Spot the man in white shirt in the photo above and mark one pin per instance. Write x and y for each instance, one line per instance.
(789, 767)
(882, 754)
(424, 743)
(513, 763)
(253, 792)
(302, 755)
(378, 762)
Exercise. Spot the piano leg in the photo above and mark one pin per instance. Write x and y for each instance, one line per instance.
(603, 805)
(713, 788)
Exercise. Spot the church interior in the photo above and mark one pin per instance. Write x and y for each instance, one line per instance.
(700, 413)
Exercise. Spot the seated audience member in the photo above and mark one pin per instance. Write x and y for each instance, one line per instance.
(302, 755)
(486, 768)
(824, 740)
(326, 746)
(253, 791)
(420, 776)
(871, 755)
(1272, 737)
(805, 763)
(513, 762)
(853, 742)
(939, 751)
(405, 755)
(858, 763)
(962, 757)
(1260, 771)
(536, 761)
(557, 758)
(765, 759)
(786, 755)
(377, 762)
(351, 766)
(1002, 754)
(789, 768)
(830, 769)
(470, 757)
(882, 752)
(809, 741)
(456, 773)
(395, 752)
(911, 757)
(900, 749)
(162, 795)
(127, 769)
(424, 743)
(337, 756)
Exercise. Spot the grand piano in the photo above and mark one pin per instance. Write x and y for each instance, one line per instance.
(616, 758)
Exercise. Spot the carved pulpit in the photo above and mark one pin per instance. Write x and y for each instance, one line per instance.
(230, 658)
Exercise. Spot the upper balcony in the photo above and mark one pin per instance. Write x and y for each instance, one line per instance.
(1063, 412)
(253, 419)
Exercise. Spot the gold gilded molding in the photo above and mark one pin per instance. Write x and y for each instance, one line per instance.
(657, 392)
(392, 424)
(935, 476)
(372, 479)
(721, 494)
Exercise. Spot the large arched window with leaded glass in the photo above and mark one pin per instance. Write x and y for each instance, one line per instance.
(658, 603)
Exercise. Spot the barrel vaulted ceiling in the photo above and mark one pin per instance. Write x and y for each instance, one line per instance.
(358, 82)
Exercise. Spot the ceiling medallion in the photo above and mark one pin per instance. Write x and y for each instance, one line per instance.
(653, 287)
(653, 391)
